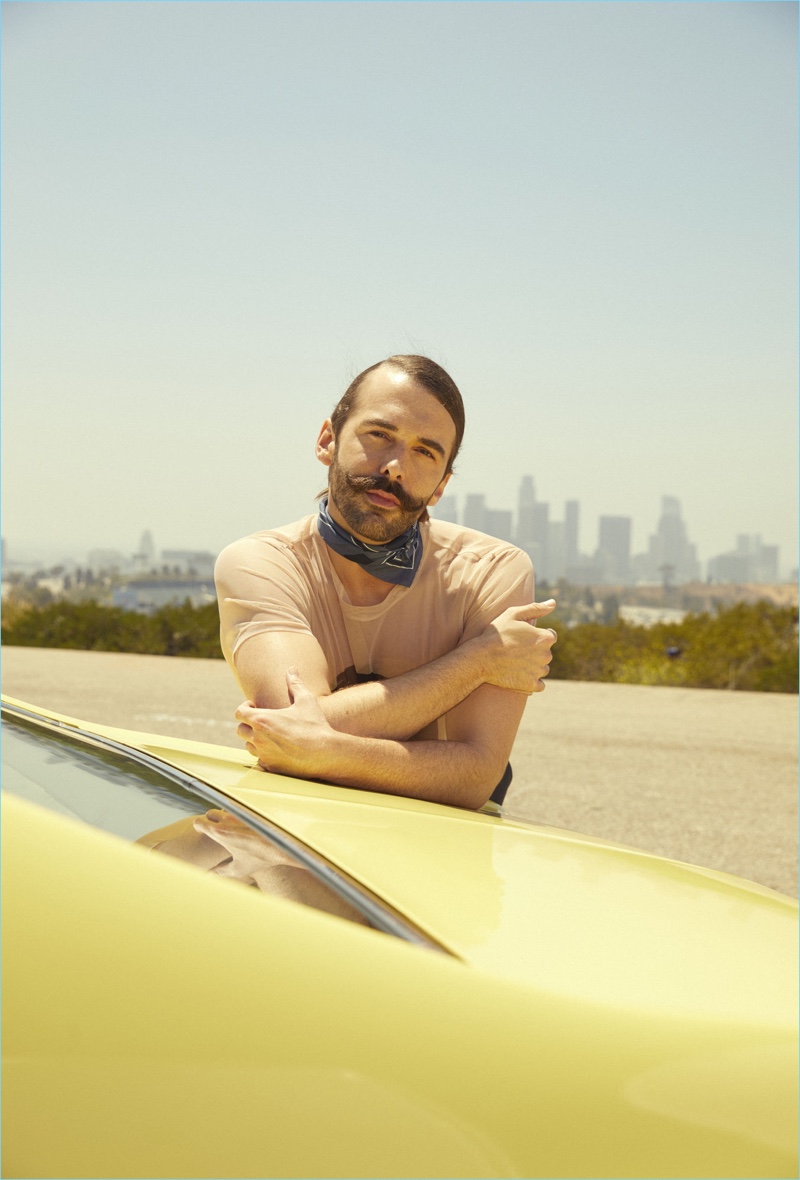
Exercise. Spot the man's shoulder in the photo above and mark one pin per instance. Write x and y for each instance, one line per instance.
(267, 544)
(455, 542)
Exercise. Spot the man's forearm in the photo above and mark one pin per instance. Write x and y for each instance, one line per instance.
(457, 773)
(400, 707)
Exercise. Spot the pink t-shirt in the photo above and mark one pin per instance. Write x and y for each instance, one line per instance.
(283, 580)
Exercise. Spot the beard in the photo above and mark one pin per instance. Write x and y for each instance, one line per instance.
(378, 525)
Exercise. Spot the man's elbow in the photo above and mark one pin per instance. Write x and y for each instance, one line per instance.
(478, 788)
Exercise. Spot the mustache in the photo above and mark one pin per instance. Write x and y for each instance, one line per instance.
(379, 483)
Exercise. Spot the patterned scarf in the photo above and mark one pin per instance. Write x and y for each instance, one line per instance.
(396, 562)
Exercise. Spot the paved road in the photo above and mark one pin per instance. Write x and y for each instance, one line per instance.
(704, 776)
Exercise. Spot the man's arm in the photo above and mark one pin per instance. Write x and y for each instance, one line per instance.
(464, 770)
(511, 654)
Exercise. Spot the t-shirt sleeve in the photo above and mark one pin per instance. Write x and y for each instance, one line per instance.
(507, 581)
(259, 589)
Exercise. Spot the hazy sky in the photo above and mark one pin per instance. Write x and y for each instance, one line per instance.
(216, 214)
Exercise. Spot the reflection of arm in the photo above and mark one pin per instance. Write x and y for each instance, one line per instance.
(255, 860)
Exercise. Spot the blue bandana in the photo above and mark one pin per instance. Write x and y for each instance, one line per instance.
(396, 562)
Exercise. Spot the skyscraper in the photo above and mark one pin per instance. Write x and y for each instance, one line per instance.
(614, 549)
(475, 512)
(497, 523)
(525, 511)
(571, 524)
(671, 557)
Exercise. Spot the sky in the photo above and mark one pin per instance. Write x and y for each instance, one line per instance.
(215, 214)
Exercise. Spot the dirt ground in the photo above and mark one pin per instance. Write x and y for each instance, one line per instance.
(699, 775)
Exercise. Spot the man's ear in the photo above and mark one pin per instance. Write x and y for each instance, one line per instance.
(326, 443)
(437, 495)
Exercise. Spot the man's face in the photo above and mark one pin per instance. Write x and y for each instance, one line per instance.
(390, 458)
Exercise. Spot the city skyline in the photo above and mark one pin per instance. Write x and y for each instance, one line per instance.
(557, 547)
(216, 214)
(556, 550)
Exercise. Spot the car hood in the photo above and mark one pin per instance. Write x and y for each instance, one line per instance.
(564, 913)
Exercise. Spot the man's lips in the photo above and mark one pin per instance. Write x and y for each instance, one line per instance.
(382, 499)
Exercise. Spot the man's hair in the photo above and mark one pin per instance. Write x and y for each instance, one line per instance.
(427, 374)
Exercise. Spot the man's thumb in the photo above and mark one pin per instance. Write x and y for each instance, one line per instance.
(536, 609)
(294, 683)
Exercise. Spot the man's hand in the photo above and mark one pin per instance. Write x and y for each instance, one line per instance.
(518, 651)
(249, 853)
(287, 741)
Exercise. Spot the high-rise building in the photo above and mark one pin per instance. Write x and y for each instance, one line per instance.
(571, 525)
(526, 503)
(671, 557)
(497, 523)
(536, 545)
(614, 549)
(475, 512)
(145, 556)
(751, 561)
(555, 565)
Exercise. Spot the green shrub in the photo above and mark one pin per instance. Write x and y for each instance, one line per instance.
(172, 630)
(749, 646)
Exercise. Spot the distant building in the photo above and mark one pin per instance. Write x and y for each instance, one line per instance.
(475, 513)
(614, 549)
(497, 523)
(447, 509)
(146, 595)
(105, 559)
(145, 556)
(649, 616)
(526, 503)
(555, 564)
(728, 567)
(671, 558)
(571, 527)
(751, 561)
(198, 563)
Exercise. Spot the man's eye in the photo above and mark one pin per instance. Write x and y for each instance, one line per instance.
(424, 451)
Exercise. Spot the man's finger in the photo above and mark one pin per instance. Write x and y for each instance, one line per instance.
(296, 686)
(245, 711)
(535, 610)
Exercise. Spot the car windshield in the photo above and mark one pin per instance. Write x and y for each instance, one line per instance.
(140, 799)
(90, 782)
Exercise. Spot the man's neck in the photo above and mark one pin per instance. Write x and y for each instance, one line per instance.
(361, 588)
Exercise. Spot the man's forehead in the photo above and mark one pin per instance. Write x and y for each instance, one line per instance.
(388, 392)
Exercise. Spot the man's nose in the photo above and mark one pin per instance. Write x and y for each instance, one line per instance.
(394, 467)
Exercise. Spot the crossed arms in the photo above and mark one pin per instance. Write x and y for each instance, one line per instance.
(380, 735)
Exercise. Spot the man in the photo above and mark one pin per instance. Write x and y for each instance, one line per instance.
(379, 649)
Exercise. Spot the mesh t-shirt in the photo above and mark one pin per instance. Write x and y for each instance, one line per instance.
(283, 580)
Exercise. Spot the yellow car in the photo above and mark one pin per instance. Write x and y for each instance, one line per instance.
(211, 971)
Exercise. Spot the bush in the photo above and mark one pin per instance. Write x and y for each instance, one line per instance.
(172, 630)
(750, 646)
